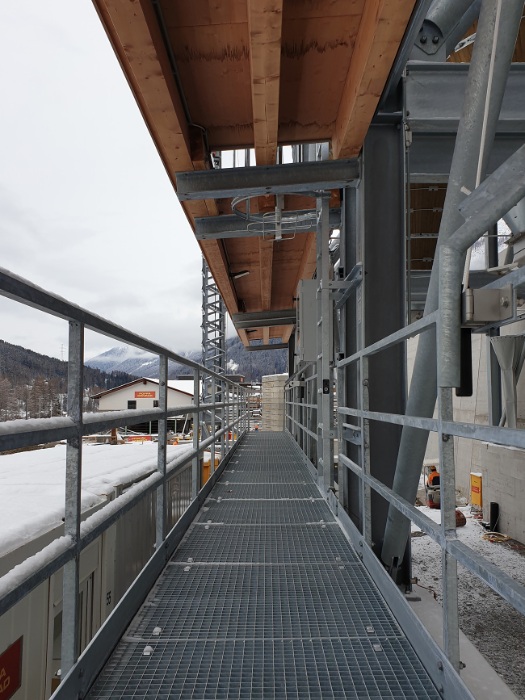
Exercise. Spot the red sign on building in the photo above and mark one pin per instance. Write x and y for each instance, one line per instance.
(11, 670)
(144, 394)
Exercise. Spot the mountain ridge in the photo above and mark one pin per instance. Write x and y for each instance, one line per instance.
(140, 363)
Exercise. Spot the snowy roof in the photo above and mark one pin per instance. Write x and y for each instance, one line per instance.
(183, 387)
(33, 483)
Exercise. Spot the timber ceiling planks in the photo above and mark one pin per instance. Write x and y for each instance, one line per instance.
(213, 75)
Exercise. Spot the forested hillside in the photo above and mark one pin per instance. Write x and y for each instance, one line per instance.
(253, 365)
(35, 386)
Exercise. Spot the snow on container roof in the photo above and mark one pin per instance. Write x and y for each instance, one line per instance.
(33, 484)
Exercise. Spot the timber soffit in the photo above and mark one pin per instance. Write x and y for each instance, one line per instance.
(254, 73)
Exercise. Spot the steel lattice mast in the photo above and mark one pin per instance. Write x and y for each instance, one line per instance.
(213, 325)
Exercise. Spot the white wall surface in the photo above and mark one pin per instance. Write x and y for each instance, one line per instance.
(118, 400)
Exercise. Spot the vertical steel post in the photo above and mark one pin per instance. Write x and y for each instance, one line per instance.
(213, 423)
(161, 457)
(196, 462)
(325, 363)
(492, 55)
(73, 505)
(349, 332)
(448, 527)
(366, 496)
(222, 399)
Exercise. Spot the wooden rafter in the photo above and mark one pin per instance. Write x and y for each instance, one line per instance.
(265, 28)
(382, 26)
(265, 268)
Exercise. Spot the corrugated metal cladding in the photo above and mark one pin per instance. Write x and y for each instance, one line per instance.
(264, 598)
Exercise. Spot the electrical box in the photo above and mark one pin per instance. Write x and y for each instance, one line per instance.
(306, 335)
(483, 306)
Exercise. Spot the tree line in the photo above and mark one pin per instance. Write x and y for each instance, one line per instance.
(35, 386)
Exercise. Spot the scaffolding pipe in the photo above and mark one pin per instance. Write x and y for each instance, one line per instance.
(492, 55)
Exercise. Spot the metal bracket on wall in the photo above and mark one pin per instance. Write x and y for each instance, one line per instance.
(348, 285)
(353, 434)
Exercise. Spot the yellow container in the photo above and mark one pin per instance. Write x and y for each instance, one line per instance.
(476, 494)
(206, 467)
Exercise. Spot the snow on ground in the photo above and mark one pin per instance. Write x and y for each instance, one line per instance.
(32, 484)
(491, 624)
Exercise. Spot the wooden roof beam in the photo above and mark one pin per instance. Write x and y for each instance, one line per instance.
(133, 30)
(381, 30)
(136, 38)
(265, 28)
(265, 269)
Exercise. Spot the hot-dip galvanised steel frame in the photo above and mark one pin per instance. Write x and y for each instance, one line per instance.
(353, 396)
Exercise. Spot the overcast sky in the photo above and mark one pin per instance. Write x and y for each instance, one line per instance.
(87, 210)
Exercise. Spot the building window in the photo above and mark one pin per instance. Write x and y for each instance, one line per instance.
(155, 404)
(132, 404)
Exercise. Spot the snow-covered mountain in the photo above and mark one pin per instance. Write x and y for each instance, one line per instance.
(137, 362)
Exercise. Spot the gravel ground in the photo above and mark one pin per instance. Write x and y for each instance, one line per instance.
(492, 625)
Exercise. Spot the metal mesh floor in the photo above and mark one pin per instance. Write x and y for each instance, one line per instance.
(264, 598)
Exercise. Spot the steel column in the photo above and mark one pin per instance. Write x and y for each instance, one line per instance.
(350, 336)
(325, 364)
(383, 299)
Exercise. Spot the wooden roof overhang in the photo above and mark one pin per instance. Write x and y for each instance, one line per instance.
(214, 75)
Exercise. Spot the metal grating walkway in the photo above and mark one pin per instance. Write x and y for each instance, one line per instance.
(264, 598)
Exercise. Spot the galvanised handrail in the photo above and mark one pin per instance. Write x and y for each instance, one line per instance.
(501, 583)
(231, 413)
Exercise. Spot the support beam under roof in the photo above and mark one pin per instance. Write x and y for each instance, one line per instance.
(265, 19)
(259, 319)
(269, 179)
(272, 346)
(265, 271)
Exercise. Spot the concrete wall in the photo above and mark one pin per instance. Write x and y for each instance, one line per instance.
(502, 468)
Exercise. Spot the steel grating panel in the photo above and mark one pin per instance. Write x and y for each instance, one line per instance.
(256, 602)
(263, 476)
(271, 544)
(266, 670)
(271, 491)
(266, 599)
(265, 512)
